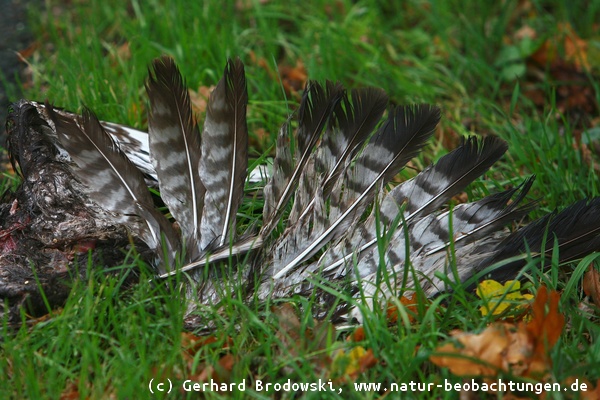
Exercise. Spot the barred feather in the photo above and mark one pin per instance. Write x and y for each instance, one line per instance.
(315, 109)
(430, 189)
(112, 180)
(396, 142)
(576, 230)
(282, 173)
(224, 157)
(175, 149)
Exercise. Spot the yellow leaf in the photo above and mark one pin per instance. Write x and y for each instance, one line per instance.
(498, 297)
(353, 362)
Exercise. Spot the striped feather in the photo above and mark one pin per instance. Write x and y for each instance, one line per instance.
(175, 148)
(396, 142)
(112, 180)
(224, 157)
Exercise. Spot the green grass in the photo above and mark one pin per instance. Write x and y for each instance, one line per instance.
(109, 338)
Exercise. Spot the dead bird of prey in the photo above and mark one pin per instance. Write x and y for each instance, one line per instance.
(331, 217)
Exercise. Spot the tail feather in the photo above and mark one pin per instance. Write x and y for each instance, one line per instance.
(175, 148)
(112, 180)
(576, 229)
(435, 185)
(315, 109)
(430, 236)
(352, 123)
(430, 189)
(396, 142)
(224, 159)
(280, 179)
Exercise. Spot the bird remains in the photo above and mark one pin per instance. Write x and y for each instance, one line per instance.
(333, 221)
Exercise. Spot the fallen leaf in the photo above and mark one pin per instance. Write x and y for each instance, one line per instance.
(481, 354)
(566, 47)
(411, 305)
(30, 50)
(191, 344)
(352, 363)
(593, 391)
(547, 323)
(562, 62)
(498, 298)
(297, 340)
(517, 348)
(358, 335)
(293, 77)
(71, 392)
(591, 284)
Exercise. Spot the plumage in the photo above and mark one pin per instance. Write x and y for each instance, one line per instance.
(315, 108)
(426, 192)
(282, 173)
(396, 142)
(112, 180)
(350, 126)
(175, 149)
(576, 229)
(224, 158)
(344, 223)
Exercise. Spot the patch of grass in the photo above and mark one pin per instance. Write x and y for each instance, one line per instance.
(110, 340)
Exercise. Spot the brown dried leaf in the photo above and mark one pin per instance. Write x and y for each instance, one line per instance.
(123, 51)
(592, 393)
(199, 99)
(191, 344)
(71, 392)
(293, 77)
(546, 326)
(480, 355)
(289, 330)
(567, 44)
(358, 335)
(297, 340)
(591, 284)
(521, 349)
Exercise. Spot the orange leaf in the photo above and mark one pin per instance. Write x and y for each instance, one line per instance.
(568, 44)
(293, 78)
(71, 392)
(358, 335)
(191, 344)
(591, 284)
(546, 327)
(409, 303)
